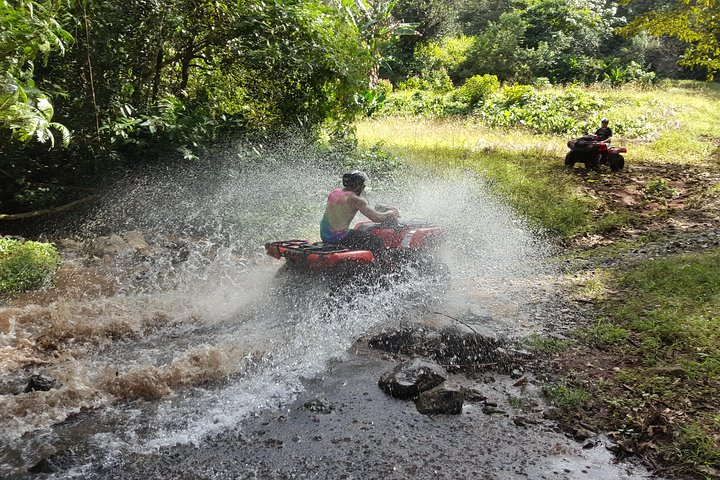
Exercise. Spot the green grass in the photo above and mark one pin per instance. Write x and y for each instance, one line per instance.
(25, 265)
(676, 123)
(670, 307)
(566, 395)
(521, 168)
(526, 169)
(545, 344)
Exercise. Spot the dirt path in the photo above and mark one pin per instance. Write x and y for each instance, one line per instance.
(664, 200)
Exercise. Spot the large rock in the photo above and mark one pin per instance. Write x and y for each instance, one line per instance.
(446, 398)
(410, 378)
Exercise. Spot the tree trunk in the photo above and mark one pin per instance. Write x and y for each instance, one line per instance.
(158, 74)
(187, 58)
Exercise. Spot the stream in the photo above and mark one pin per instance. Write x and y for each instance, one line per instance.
(177, 353)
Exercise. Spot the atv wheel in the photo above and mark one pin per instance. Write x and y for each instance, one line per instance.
(570, 159)
(617, 162)
(593, 162)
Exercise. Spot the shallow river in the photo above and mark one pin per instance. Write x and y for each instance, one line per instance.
(173, 347)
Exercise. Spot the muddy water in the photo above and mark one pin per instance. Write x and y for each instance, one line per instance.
(179, 331)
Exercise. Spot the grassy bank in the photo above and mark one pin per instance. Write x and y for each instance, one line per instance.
(647, 369)
(525, 169)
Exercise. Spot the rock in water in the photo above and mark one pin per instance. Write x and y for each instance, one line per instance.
(446, 398)
(40, 383)
(410, 378)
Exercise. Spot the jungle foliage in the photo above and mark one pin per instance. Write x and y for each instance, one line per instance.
(88, 88)
(134, 81)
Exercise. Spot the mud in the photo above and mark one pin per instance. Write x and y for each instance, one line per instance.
(342, 427)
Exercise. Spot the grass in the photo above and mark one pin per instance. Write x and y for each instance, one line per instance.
(656, 336)
(522, 168)
(545, 345)
(25, 265)
(661, 326)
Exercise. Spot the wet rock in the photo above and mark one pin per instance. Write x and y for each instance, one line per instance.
(410, 378)
(136, 240)
(490, 410)
(446, 398)
(458, 348)
(319, 405)
(401, 340)
(40, 383)
(68, 245)
(522, 421)
(551, 413)
(474, 395)
(582, 434)
(112, 245)
(55, 463)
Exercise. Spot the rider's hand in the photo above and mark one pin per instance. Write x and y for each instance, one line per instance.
(392, 214)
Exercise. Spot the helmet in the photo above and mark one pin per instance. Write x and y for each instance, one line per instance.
(354, 179)
(604, 120)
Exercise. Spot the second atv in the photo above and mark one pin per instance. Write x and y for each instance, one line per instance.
(593, 152)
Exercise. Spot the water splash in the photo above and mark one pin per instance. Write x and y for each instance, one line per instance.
(196, 333)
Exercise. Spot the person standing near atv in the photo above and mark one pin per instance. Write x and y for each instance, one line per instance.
(342, 205)
(604, 133)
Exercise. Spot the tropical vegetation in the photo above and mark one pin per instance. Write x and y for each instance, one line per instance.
(90, 89)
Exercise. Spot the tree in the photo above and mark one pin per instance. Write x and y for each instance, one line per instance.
(695, 22)
(29, 31)
(149, 80)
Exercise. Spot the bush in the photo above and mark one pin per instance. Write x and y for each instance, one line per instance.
(423, 103)
(448, 53)
(517, 94)
(480, 87)
(26, 265)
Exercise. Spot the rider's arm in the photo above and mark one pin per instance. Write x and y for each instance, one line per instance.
(363, 207)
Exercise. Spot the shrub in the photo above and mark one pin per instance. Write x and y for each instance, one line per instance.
(542, 83)
(25, 265)
(517, 94)
(480, 87)
(384, 87)
(448, 53)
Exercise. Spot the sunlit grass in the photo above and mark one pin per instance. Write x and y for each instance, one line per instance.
(671, 307)
(681, 127)
(522, 168)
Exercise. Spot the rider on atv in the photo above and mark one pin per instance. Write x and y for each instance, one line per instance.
(342, 205)
(604, 133)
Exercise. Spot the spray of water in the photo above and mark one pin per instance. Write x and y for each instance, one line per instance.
(197, 332)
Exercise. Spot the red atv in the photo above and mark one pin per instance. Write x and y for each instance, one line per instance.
(593, 152)
(407, 244)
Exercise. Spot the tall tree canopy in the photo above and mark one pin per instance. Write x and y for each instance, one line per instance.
(695, 22)
(29, 32)
(143, 78)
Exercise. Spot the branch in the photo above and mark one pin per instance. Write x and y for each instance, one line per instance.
(453, 318)
(38, 213)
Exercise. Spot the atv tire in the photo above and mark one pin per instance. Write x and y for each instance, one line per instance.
(592, 162)
(570, 159)
(617, 162)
